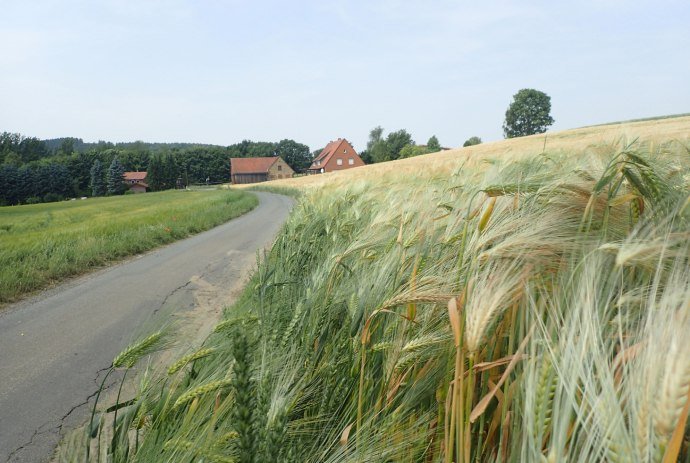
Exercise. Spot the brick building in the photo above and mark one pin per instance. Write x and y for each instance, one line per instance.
(337, 155)
(254, 170)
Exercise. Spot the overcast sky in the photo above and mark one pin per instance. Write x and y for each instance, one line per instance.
(223, 71)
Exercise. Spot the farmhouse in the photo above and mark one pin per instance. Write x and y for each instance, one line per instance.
(136, 181)
(337, 155)
(253, 170)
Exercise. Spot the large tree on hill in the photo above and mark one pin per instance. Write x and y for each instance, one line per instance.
(97, 184)
(528, 113)
(115, 183)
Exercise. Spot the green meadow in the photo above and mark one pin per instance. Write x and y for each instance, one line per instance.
(43, 243)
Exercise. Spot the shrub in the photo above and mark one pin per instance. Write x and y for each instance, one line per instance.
(472, 141)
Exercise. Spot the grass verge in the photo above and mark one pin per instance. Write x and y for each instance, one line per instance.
(44, 243)
(277, 189)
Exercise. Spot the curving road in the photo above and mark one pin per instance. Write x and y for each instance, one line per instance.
(55, 347)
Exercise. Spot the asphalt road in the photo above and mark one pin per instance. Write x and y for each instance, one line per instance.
(54, 348)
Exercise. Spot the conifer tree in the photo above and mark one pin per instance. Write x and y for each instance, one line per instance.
(97, 185)
(170, 171)
(154, 173)
(115, 178)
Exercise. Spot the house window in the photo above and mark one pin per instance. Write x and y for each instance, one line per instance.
(280, 167)
(351, 161)
(339, 161)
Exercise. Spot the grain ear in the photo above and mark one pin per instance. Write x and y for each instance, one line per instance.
(484, 220)
(454, 316)
(674, 445)
(345, 435)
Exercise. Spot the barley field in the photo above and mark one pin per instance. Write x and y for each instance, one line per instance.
(653, 132)
(42, 244)
(508, 302)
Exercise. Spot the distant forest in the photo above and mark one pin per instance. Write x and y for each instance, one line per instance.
(80, 146)
(34, 170)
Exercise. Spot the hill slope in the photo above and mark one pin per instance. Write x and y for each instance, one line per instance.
(654, 131)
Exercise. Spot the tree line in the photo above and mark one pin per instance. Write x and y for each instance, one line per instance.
(400, 145)
(396, 145)
(32, 170)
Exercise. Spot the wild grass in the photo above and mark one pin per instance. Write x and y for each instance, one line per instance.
(43, 243)
(287, 191)
(530, 308)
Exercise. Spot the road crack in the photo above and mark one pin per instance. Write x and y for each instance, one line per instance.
(37, 432)
(170, 294)
(57, 428)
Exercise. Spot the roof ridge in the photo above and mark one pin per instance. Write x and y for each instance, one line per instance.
(259, 164)
(327, 153)
(327, 149)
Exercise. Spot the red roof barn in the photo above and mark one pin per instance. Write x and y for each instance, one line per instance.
(337, 155)
(136, 181)
(253, 170)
